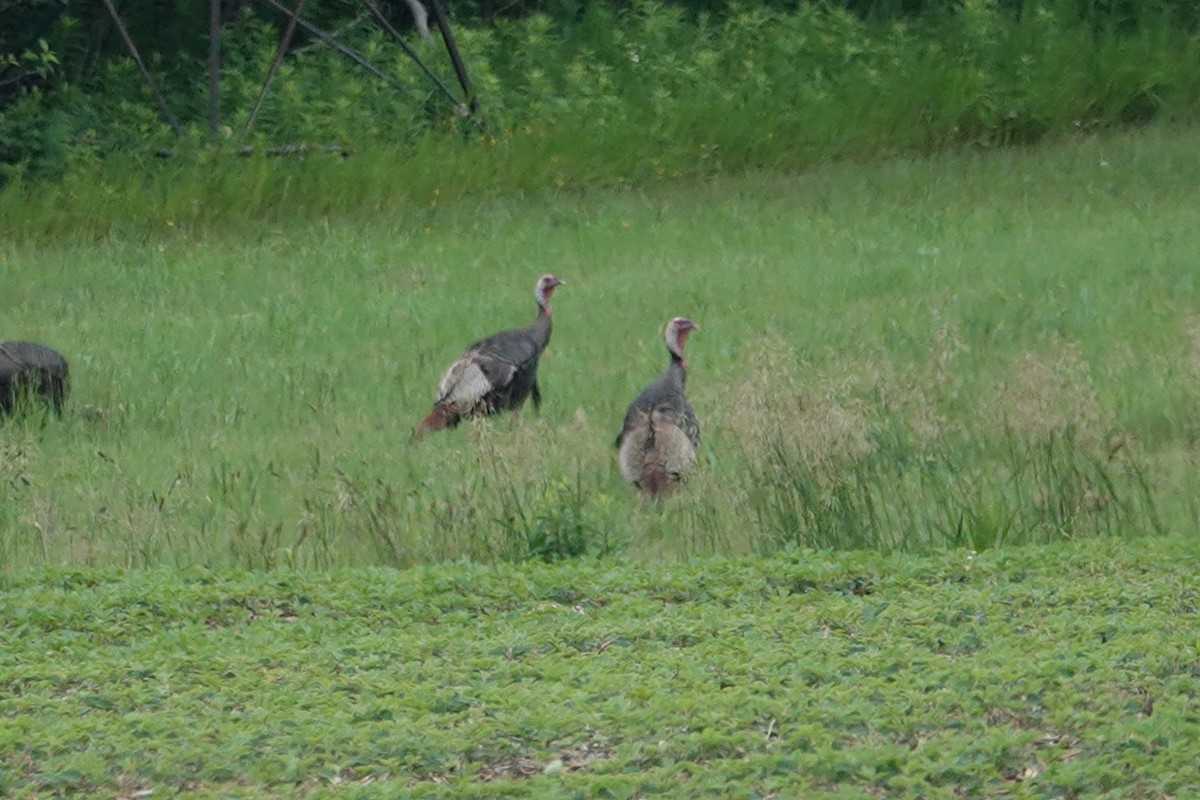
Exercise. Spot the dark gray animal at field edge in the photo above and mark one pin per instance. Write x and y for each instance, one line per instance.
(494, 374)
(658, 441)
(29, 368)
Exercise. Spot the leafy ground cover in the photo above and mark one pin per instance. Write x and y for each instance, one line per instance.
(1064, 670)
(974, 349)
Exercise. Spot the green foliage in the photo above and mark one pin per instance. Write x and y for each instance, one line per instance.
(633, 92)
(1026, 672)
(551, 525)
(35, 141)
(26, 57)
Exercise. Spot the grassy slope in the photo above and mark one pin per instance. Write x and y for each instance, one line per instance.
(1051, 671)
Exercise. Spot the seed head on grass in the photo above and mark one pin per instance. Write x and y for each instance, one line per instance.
(1191, 357)
(822, 425)
(1050, 395)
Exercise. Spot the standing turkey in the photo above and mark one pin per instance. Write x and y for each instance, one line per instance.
(33, 370)
(658, 441)
(497, 373)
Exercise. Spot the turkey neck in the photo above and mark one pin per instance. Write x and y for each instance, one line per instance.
(677, 369)
(540, 328)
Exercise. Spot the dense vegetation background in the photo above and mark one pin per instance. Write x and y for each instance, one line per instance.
(631, 90)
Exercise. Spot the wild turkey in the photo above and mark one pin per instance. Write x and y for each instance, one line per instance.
(658, 441)
(497, 373)
(34, 370)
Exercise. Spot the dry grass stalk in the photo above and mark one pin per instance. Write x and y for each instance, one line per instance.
(1053, 395)
(823, 426)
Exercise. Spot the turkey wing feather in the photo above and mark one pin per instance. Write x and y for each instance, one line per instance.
(467, 382)
(489, 364)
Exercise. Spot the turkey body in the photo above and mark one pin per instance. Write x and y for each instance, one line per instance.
(30, 368)
(495, 374)
(660, 435)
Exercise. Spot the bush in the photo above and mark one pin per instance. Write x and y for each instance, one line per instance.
(35, 140)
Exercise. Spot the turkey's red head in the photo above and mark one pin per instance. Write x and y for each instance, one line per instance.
(545, 287)
(677, 333)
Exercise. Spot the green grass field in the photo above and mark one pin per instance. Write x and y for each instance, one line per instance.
(980, 348)
(905, 370)
(1035, 672)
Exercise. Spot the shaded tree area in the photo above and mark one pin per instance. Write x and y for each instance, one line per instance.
(69, 75)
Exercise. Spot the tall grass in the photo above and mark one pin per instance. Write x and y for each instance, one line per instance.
(967, 350)
(830, 471)
(624, 97)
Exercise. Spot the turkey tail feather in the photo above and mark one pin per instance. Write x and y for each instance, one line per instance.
(655, 480)
(441, 417)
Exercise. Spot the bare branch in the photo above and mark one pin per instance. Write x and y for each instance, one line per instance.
(137, 59)
(300, 150)
(20, 77)
(284, 42)
(335, 33)
(387, 26)
(348, 52)
(460, 69)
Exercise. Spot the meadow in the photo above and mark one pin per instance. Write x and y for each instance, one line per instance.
(984, 347)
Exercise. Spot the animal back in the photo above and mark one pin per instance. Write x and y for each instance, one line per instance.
(34, 368)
